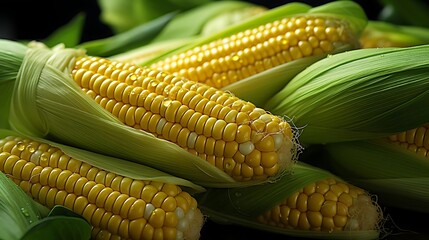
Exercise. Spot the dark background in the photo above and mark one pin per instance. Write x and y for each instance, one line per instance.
(35, 20)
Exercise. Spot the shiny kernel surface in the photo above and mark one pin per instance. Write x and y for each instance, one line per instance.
(225, 61)
(162, 210)
(415, 140)
(201, 119)
(310, 209)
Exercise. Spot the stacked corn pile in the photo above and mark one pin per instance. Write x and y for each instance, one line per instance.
(218, 126)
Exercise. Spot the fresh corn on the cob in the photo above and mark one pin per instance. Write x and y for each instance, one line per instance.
(326, 205)
(143, 115)
(309, 203)
(117, 207)
(394, 168)
(222, 62)
(255, 58)
(415, 140)
(379, 34)
(244, 141)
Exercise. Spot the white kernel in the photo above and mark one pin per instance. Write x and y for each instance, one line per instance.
(179, 212)
(148, 210)
(192, 139)
(183, 224)
(36, 156)
(190, 215)
(160, 125)
(179, 235)
(246, 147)
(278, 140)
(352, 224)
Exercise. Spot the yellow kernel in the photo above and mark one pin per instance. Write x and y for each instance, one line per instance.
(315, 219)
(329, 209)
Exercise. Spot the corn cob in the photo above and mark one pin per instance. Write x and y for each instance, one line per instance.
(415, 140)
(116, 206)
(326, 205)
(310, 203)
(224, 61)
(379, 34)
(244, 141)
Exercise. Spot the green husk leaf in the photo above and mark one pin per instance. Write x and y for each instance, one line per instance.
(17, 210)
(358, 94)
(144, 53)
(346, 10)
(115, 165)
(183, 29)
(184, 24)
(259, 88)
(47, 103)
(241, 206)
(68, 34)
(11, 54)
(52, 226)
(125, 15)
(385, 34)
(396, 175)
(231, 17)
(130, 39)
(241, 201)
(59, 227)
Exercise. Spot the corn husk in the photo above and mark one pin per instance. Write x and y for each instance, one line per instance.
(46, 103)
(127, 40)
(17, 210)
(260, 87)
(359, 94)
(241, 206)
(399, 177)
(112, 164)
(21, 218)
(212, 17)
(148, 51)
(378, 34)
(121, 16)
